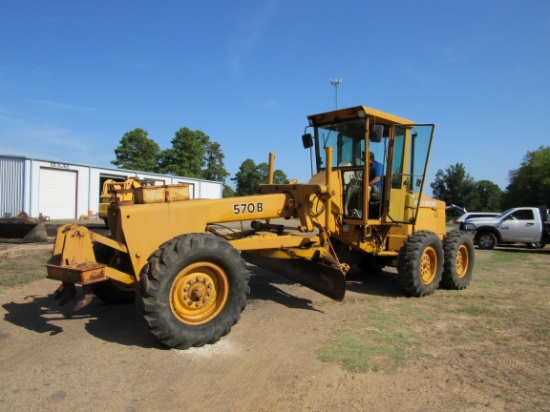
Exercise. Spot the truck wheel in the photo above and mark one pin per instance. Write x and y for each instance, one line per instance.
(109, 291)
(420, 263)
(458, 260)
(486, 240)
(192, 290)
(535, 245)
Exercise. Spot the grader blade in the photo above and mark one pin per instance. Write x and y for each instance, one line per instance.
(321, 278)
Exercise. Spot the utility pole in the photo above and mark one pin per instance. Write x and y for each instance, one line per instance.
(336, 83)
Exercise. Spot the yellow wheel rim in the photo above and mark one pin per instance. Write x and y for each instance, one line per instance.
(428, 265)
(462, 261)
(124, 287)
(199, 293)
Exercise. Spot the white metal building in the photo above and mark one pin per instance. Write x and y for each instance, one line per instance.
(68, 191)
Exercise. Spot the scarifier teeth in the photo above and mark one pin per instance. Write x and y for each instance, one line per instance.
(58, 292)
(67, 292)
(88, 295)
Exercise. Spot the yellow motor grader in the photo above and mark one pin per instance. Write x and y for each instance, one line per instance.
(187, 273)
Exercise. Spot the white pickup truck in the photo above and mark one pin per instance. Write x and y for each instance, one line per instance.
(527, 225)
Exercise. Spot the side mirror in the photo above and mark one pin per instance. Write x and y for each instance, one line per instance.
(307, 141)
(376, 133)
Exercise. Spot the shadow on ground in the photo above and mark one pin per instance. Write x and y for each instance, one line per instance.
(112, 323)
(121, 323)
(522, 249)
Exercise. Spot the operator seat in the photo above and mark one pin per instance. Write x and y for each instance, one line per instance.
(375, 203)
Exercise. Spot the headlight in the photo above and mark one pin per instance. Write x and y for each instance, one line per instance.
(469, 226)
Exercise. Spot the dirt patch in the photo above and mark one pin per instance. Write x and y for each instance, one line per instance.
(482, 349)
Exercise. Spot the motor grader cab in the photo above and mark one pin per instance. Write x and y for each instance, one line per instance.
(377, 222)
(184, 264)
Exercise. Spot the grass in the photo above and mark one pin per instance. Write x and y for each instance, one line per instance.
(371, 345)
(23, 270)
(503, 311)
(494, 335)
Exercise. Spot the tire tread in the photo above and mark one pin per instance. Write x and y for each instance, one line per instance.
(152, 300)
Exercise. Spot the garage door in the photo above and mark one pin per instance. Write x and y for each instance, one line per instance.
(57, 193)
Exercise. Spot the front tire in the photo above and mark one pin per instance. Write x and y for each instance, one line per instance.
(486, 240)
(113, 292)
(110, 291)
(420, 263)
(193, 290)
(458, 260)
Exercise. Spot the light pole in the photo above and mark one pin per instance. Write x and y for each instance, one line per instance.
(336, 83)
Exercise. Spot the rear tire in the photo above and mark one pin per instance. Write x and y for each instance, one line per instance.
(486, 240)
(458, 260)
(192, 290)
(420, 263)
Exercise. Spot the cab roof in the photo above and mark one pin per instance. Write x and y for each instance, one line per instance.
(357, 112)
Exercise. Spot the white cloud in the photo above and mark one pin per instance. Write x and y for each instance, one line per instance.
(21, 137)
(48, 104)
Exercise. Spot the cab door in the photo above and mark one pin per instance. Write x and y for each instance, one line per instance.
(410, 155)
(521, 226)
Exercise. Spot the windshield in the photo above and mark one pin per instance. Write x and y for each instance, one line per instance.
(503, 213)
(347, 139)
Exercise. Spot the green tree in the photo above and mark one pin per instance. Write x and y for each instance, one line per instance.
(137, 152)
(215, 169)
(228, 191)
(530, 184)
(279, 177)
(193, 155)
(189, 152)
(455, 186)
(251, 175)
(167, 162)
(489, 196)
(247, 178)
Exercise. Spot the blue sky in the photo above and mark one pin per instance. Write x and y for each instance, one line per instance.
(76, 75)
